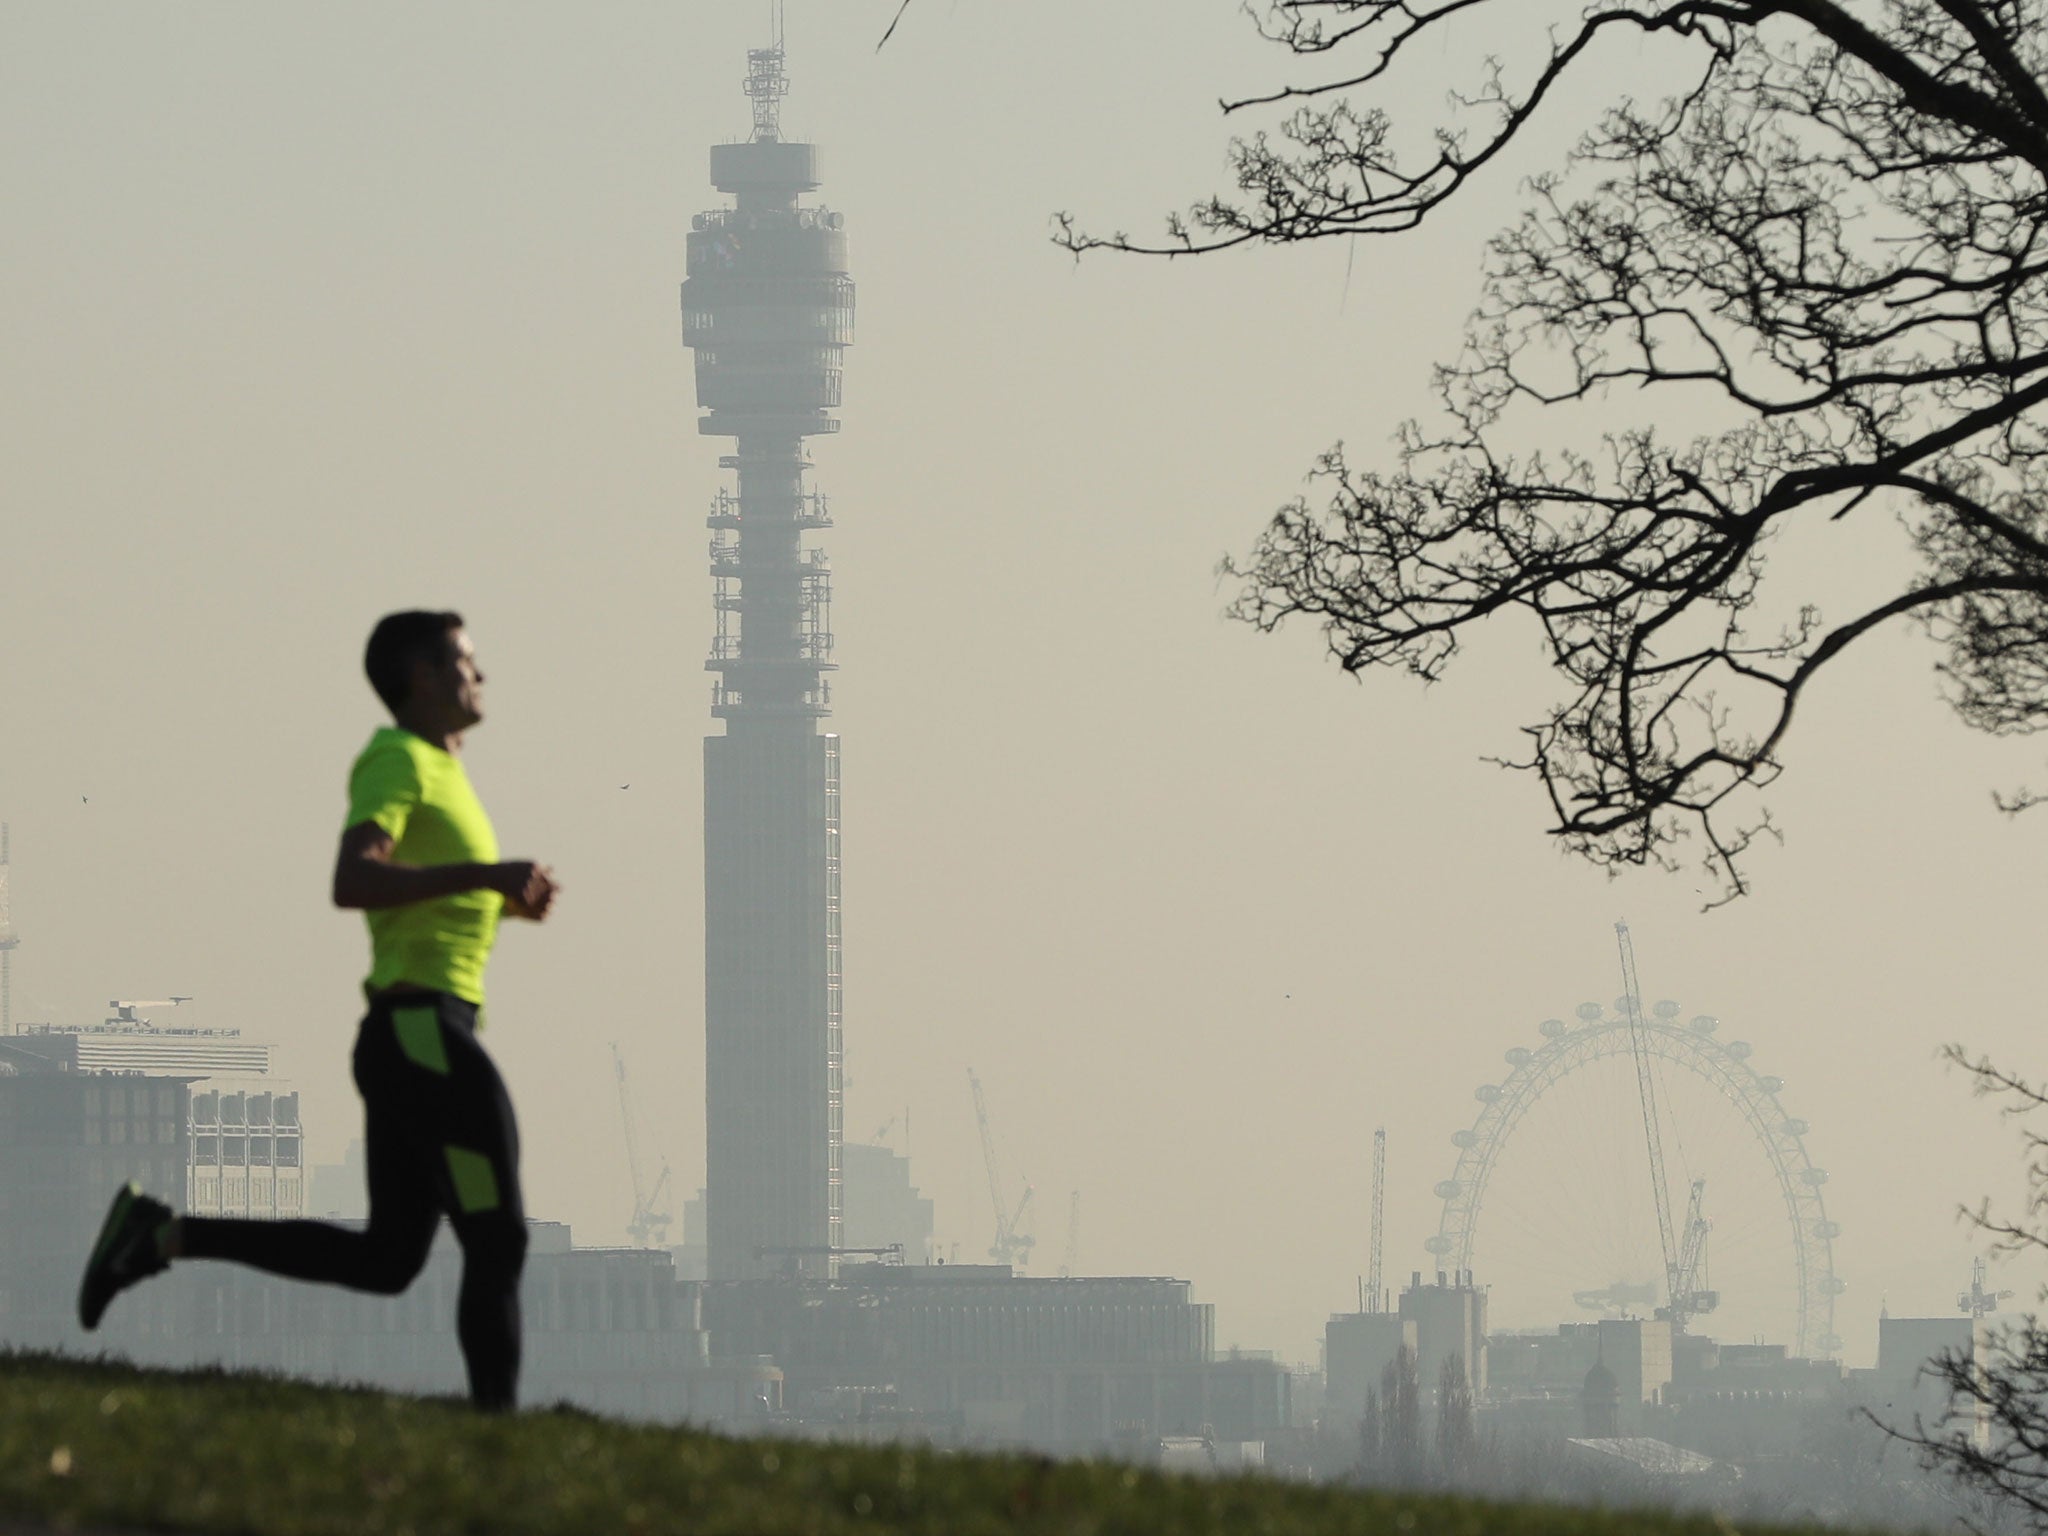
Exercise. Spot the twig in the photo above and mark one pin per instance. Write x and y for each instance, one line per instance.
(892, 25)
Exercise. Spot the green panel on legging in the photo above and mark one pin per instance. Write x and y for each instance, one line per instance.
(419, 1036)
(476, 1181)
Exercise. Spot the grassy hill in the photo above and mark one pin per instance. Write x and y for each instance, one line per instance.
(96, 1445)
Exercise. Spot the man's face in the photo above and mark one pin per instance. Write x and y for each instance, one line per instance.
(452, 686)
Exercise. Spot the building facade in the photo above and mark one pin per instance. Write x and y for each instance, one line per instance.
(1358, 1347)
(768, 311)
(976, 1354)
(883, 1208)
(244, 1156)
(1450, 1324)
(68, 1139)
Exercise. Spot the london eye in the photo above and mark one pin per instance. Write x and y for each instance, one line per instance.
(1565, 1223)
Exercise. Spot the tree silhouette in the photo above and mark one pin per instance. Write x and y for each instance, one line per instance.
(1993, 1435)
(1456, 1438)
(1400, 1456)
(1828, 245)
(1371, 1440)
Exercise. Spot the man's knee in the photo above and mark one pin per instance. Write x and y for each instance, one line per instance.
(494, 1239)
(391, 1264)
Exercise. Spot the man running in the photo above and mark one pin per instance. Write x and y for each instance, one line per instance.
(419, 859)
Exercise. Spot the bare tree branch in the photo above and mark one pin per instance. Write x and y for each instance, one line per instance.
(1832, 241)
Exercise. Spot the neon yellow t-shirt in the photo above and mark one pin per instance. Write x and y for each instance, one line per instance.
(420, 795)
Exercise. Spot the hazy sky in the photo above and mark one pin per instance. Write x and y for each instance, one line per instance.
(315, 311)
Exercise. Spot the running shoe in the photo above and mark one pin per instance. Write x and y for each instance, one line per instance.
(125, 1252)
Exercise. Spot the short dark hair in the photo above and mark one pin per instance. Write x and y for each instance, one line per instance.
(397, 642)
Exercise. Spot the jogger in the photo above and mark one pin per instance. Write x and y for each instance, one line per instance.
(419, 857)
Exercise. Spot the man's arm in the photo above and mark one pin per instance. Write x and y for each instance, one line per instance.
(366, 877)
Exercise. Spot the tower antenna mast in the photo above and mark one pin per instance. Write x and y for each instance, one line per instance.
(8, 942)
(1379, 1202)
(766, 84)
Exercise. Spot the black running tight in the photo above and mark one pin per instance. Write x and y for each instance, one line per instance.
(439, 1138)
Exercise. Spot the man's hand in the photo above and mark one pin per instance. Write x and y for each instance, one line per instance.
(367, 878)
(529, 889)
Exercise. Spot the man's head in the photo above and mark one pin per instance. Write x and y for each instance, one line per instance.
(424, 669)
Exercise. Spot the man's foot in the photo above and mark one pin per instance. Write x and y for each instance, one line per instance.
(125, 1252)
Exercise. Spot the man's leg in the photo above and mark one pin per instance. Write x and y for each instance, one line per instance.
(487, 1318)
(141, 1236)
(382, 1258)
(480, 1185)
(385, 1256)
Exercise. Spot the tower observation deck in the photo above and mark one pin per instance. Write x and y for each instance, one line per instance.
(768, 311)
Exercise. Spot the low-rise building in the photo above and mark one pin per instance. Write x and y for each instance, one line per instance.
(68, 1139)
(1358, 1349)
(244, 1156)
(976, 1353)
(1450, 1323)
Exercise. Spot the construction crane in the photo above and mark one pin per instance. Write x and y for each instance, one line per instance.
(1618, 1299)
(1011, 1246)
(1689, 1295)
(1072, 1262)
(1653, 1132)
(1374, 1278)
(648, 1227)
(881, 1136)
(1979, 1300)
(125, 1009)
(9, 941)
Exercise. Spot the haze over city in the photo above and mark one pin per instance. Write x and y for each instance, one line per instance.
(318, 313)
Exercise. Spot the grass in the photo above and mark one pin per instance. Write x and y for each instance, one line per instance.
(97, 1445)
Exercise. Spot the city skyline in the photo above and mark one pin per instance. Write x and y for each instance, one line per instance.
(1199, 911)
